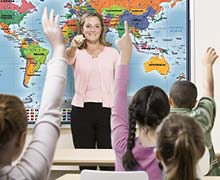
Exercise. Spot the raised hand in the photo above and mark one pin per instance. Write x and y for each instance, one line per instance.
(53, 32)
(208, 80)
(124, 45)
(210, 56)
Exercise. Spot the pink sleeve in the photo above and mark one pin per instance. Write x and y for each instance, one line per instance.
(119, 117)
(38, 157)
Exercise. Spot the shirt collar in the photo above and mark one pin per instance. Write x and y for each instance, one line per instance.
(180, 110)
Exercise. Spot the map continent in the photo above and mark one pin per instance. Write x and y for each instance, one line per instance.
(158, 29)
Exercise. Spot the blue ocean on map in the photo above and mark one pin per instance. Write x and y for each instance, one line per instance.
(159, 34)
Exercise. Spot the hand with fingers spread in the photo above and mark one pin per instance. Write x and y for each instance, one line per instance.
(53, 32)
(124, 45)
(210, 56)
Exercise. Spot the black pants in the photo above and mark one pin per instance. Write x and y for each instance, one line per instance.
(90, 128)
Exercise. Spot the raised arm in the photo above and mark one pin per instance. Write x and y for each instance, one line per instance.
(37, 160)
(208, 82)
(56, 70)
(119, 117)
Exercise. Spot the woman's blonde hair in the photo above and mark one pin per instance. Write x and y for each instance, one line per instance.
(102, 36)
(13, 117)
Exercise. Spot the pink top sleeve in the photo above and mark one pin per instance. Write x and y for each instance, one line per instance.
(38, 157)
(119, 117)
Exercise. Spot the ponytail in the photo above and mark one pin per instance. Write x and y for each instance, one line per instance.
(180, 142)
(128, 161)
(183, 163)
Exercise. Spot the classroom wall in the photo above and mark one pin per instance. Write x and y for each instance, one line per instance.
(207, 33)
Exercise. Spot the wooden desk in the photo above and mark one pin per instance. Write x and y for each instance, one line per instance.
(69, 177)
(77, 177)
(87, 157)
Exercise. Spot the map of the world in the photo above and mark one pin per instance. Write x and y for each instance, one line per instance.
(158, 29)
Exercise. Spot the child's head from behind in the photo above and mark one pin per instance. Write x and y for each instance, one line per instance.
(13, 122)
(180, 144)
(148, 108)
(183, 94)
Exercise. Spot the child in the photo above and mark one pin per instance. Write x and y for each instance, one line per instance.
(180, 145)
(183, 96)
(148, 107)
(37, 159)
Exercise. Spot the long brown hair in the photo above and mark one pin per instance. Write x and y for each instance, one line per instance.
(180, 142)
(102, 40)
(13, 117)
(148, 108)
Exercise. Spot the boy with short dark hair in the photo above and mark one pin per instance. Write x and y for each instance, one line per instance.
(183, 95)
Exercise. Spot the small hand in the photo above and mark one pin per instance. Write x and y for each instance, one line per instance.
(124, 45)
(77, 41)
(52, 30)
(210, 56)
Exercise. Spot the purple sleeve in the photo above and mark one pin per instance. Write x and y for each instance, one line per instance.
(119, 117)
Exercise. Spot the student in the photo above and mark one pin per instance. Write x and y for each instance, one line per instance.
(183, 95)
(148, 108)
(37, 159)
(93, 63)
(180, 145)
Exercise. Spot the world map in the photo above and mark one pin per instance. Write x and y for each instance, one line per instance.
(158, 29)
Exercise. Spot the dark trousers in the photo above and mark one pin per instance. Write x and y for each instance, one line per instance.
(90, 128)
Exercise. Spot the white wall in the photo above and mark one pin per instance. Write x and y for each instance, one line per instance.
(207, 33)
